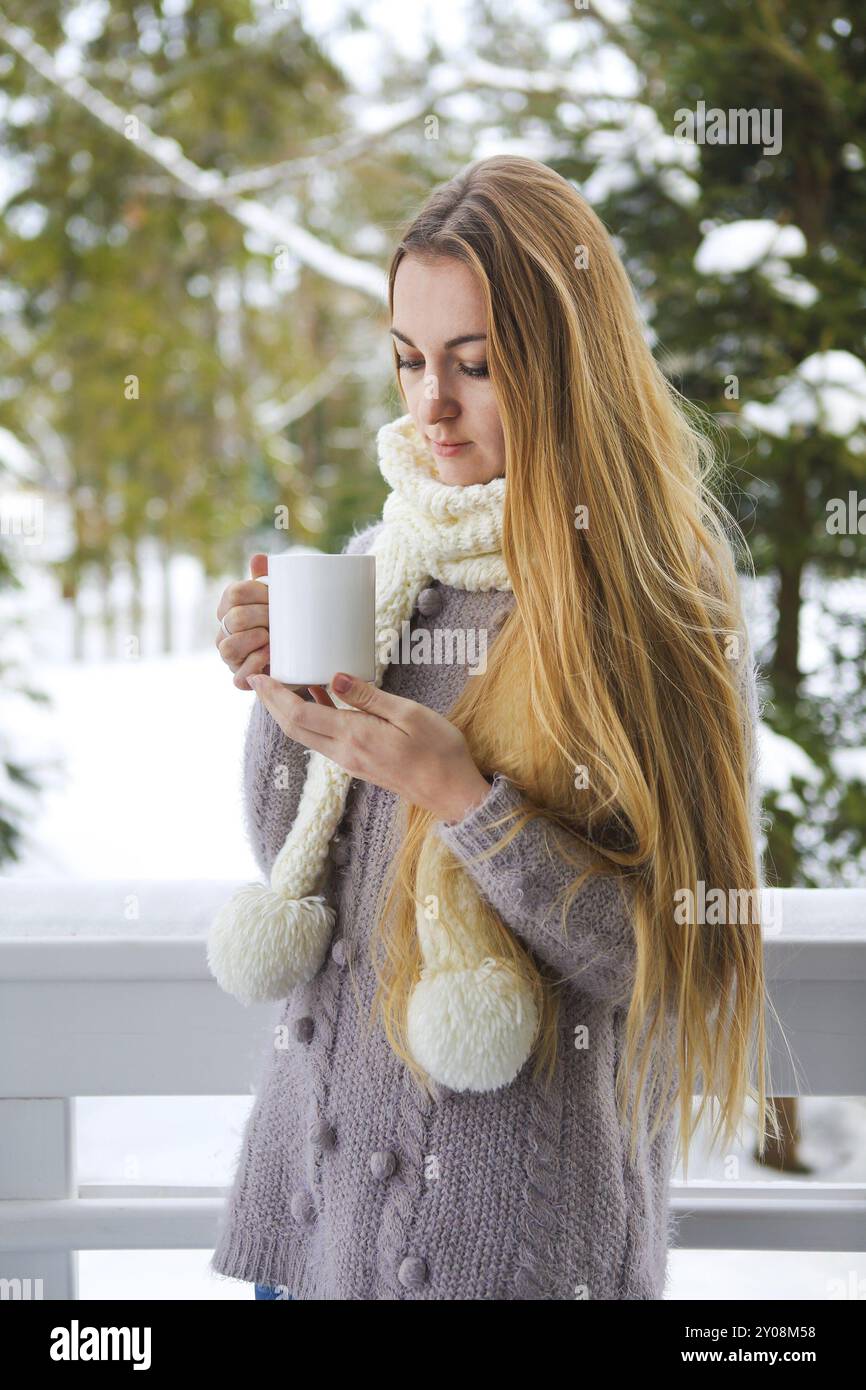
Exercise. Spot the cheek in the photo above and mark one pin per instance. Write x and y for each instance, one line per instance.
(490, 422)
(415, 394)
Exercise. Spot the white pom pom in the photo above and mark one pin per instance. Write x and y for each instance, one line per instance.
(471, 1030)
(262, 944)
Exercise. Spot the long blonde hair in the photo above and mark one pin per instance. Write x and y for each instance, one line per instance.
(621, 632)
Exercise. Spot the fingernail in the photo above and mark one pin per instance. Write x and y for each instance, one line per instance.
(341, 683)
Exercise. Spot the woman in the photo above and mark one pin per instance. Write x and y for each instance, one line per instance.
(612, 734)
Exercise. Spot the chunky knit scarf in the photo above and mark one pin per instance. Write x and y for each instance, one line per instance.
(471, 1022)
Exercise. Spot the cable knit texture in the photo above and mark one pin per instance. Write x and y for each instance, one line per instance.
(350, 1183)
(471, 1018)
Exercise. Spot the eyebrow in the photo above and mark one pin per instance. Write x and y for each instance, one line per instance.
(452, 342)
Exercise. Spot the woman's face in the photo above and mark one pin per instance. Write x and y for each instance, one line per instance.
(448, 393)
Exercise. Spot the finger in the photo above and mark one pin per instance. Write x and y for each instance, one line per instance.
(364, 695)
(246, 615)
(257, 662)
(321, 696)
(258, 564)
(235, 649)
(240, 594)
(304, 720)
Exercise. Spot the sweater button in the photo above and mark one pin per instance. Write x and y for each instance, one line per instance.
(323, 1134)
(430, 603)
(339, 850)
(302, 1206)
(338, 952)
(412, 1272)
(304, 1029)
(382, 1163)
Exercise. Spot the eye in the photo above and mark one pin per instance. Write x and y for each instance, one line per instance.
(481, 371)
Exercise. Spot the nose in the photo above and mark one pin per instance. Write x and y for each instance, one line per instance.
(438, 408)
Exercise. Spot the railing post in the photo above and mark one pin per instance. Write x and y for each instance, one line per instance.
(37, 1160)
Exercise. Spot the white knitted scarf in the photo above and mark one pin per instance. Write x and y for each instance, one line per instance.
(471, 1021)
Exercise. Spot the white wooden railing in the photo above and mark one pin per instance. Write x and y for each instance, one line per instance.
(105, 991)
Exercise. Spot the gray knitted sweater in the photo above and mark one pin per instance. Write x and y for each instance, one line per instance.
(350, 1183)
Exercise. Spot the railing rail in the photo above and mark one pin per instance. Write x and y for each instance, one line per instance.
(105, 991)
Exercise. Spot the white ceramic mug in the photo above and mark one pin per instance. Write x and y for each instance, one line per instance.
(322, 617)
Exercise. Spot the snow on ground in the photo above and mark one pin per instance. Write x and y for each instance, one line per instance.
(153, 771)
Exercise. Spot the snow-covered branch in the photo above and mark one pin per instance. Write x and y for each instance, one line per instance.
(444, 82)
(275, 416)
(203, 183)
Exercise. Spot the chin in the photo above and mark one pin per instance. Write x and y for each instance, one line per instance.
(454, 473)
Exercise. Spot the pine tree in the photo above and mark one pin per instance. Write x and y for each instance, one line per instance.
(732, 341)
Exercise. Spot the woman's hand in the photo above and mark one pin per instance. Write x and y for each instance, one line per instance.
(244, 606)
(392, 742)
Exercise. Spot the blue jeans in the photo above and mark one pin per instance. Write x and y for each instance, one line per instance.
(267, 1291)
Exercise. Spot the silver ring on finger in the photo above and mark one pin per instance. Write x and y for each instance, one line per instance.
(225, 629)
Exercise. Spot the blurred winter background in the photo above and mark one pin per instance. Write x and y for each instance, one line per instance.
(199, 198)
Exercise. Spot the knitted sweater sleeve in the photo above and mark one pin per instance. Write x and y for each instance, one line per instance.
(275, 766)
(594, 945)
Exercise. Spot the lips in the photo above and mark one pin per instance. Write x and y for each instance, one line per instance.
(447, 450)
